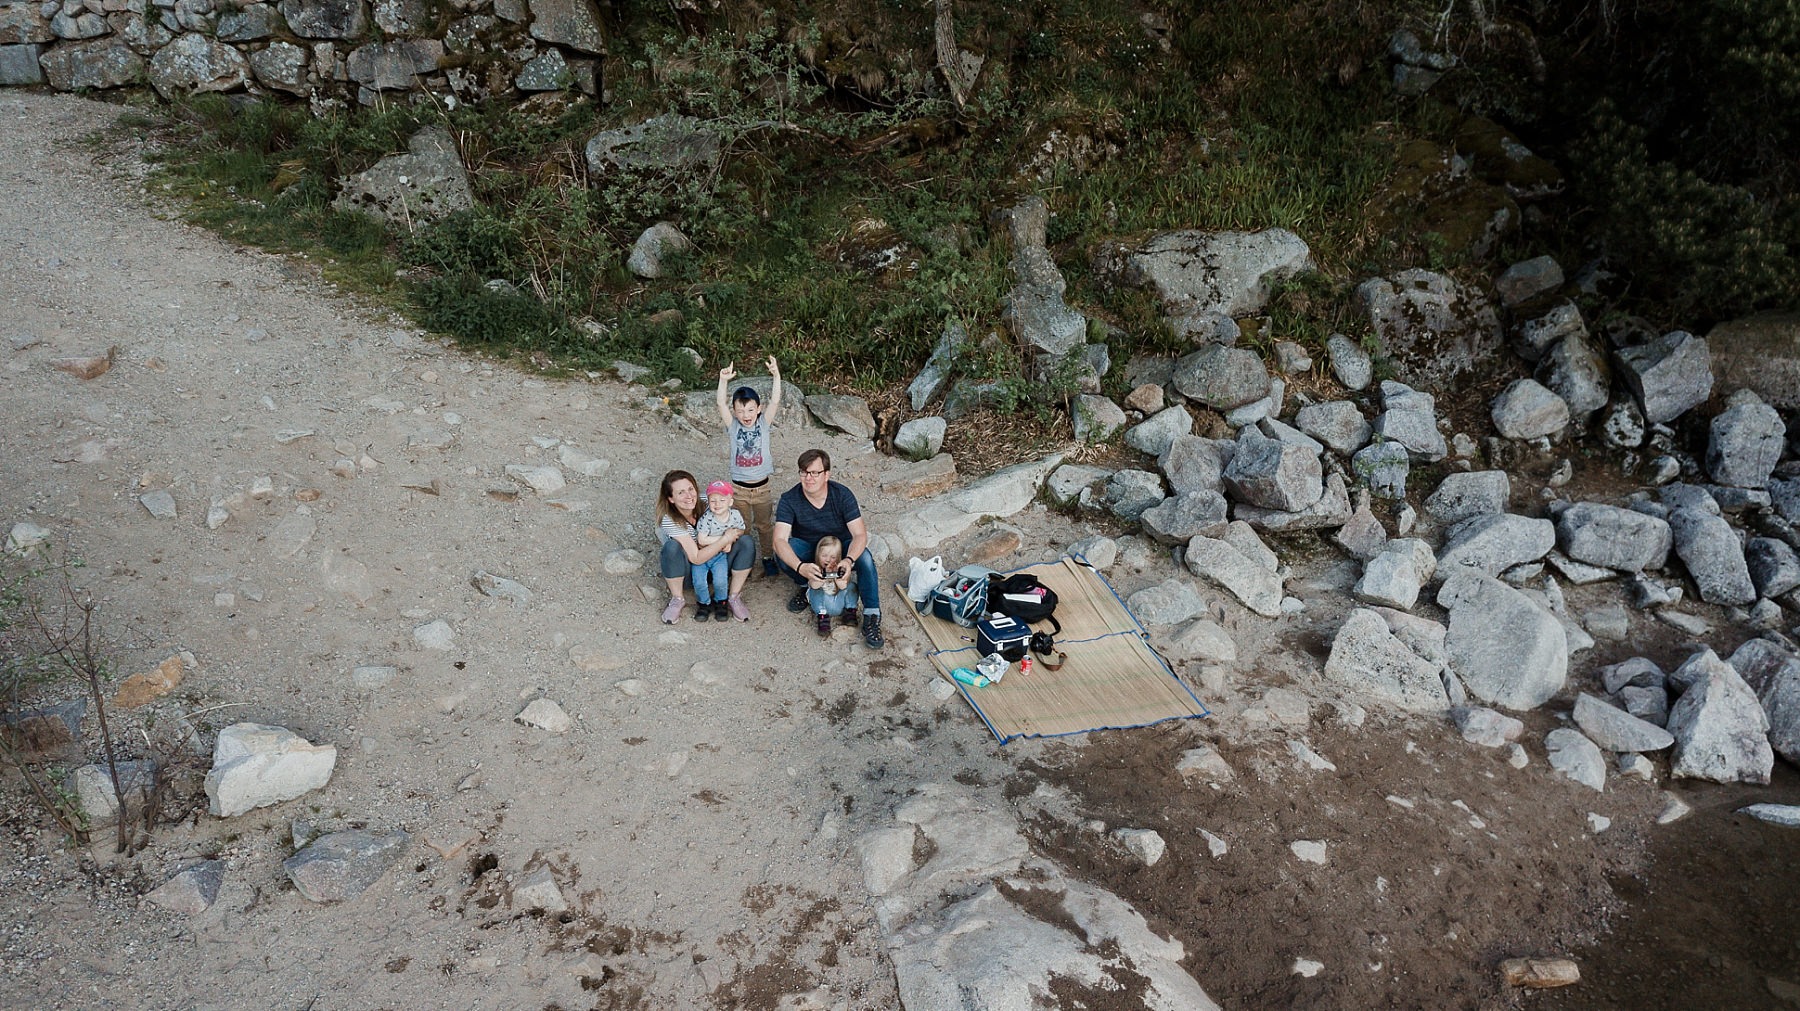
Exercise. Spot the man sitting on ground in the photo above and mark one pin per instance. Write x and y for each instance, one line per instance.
(816, 508)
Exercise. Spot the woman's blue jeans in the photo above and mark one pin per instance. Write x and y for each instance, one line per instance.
(674, 561)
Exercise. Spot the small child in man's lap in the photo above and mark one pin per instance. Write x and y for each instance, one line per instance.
(834, 592)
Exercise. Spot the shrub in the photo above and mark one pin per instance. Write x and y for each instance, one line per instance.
(464, 307)
(1716, 248)
(1685, 171)
(477, 243)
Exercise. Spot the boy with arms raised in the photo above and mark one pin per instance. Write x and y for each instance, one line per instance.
(747, 453)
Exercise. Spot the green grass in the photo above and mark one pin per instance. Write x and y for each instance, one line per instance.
(1233, 128)
(263, 174)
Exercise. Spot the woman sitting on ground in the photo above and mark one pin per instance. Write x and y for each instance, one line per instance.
(678, 511)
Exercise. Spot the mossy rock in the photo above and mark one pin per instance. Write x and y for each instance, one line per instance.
(1473, 217)
(1499, 158)
(1418, 165)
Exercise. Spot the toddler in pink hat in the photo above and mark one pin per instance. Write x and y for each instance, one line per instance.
(712, 577)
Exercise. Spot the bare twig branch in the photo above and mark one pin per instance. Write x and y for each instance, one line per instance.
(70, 640)
(67, 820)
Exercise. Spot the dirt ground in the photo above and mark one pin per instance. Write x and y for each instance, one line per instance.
(1711, 920)
(700, 816)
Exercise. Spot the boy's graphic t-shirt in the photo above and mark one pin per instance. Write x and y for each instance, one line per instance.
(750, 451)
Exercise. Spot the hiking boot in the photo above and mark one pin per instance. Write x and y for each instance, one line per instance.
(824, 625)
(770, 568)
(702, 611)
(872, 631)
(849, 617)
(798, 601)
(738, 610)
(721, 613)
(672, 613)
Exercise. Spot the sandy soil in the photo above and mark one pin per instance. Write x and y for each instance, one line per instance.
(700, 815)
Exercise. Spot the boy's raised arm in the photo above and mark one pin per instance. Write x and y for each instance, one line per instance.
(774, 394)
(725, 376)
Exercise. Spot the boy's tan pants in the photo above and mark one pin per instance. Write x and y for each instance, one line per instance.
(758, 507)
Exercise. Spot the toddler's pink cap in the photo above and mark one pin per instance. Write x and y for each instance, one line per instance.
(719, 488)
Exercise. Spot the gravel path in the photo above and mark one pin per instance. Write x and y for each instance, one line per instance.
(699, 815)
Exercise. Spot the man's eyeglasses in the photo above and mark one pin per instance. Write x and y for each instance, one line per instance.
(814, 473)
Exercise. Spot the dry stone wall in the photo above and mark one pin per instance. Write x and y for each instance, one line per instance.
(332, 52)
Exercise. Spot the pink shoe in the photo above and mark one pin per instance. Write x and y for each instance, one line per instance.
(738, 610)
(672, 613)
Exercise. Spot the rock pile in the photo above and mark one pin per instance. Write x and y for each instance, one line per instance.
(1269, 465)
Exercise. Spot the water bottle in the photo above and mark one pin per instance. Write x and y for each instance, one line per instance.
(973, 679)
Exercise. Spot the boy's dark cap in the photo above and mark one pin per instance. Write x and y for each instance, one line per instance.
(746, 393)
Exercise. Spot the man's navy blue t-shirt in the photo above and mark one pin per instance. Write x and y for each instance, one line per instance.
(810, 524)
